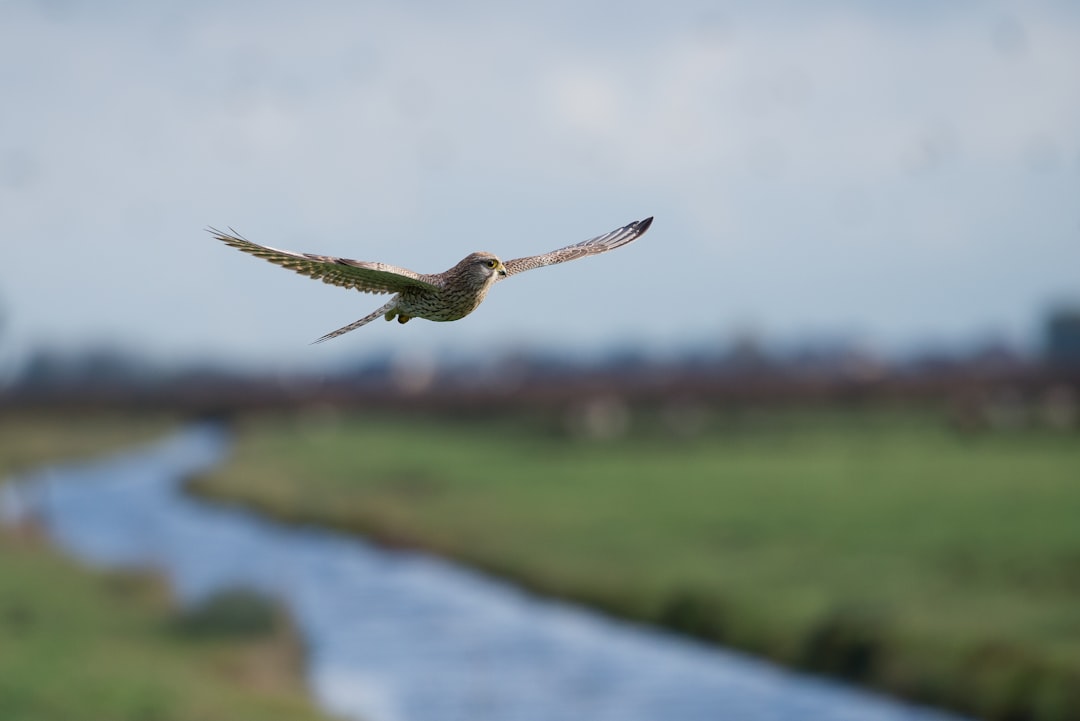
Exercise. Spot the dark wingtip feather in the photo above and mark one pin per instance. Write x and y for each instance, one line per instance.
(231, 237)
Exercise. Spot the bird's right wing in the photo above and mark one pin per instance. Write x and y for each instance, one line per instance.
(593, 246)
(358, 274)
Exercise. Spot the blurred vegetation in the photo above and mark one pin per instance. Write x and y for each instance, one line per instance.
(231, 613)
(76, 644)
(79, 645)
(31, 438)
(881, 545)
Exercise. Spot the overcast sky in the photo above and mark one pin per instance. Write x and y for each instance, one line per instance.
(895, 173)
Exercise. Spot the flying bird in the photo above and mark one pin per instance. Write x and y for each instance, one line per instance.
(450, 295)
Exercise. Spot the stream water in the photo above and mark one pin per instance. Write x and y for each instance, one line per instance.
(402, 636)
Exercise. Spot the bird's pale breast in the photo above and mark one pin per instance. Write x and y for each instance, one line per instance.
(459, 295)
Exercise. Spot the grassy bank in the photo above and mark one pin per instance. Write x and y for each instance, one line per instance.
(86, 645)
(79, 645)
(882, 547)
(30, 439)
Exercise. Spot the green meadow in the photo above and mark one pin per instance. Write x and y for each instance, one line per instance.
(877, 545)
(79, 644)
(29, 439)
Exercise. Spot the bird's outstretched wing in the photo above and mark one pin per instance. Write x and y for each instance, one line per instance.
(600, 244)
(361, 275)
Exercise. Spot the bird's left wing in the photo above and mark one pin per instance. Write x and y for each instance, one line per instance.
(363, 276)
(600, 244)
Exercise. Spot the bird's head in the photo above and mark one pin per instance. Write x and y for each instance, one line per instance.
(483, 266)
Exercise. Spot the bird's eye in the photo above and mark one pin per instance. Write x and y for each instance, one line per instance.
(491, 263)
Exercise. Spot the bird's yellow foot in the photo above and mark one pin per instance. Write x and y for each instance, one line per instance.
(404, 318)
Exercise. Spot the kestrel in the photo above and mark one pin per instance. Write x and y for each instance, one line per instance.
(450, 295)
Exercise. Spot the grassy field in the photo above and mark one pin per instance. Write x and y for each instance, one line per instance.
(880, 546)
(29, 439)
(94, 646)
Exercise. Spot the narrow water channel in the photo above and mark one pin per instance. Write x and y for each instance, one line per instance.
(402, 636)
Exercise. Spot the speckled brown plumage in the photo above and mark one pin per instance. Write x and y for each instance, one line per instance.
(446, 296)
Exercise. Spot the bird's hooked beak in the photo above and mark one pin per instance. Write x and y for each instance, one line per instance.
(501, 269)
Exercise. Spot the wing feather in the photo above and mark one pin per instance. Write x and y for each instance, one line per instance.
(357, 274)
(600, 244)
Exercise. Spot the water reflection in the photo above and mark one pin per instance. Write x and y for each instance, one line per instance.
(400, 636)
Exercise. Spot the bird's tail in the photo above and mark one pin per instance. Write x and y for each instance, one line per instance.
(357, 323)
